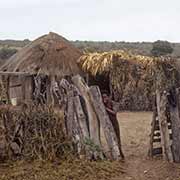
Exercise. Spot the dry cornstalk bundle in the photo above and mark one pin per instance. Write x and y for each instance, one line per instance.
(99, 63)
(129, 75)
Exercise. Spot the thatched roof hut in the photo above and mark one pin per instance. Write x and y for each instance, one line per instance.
(130, 78)
(128, 75)
(50, 54)
(34, 70)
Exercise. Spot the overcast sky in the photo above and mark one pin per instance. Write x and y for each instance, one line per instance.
(110, 20)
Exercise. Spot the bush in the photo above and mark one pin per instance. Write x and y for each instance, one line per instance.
(161, 48)
(34, 132)
(6, 53)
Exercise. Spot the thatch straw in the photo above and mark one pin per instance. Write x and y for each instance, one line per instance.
(50, 54)
(132, 76)
(99, 63)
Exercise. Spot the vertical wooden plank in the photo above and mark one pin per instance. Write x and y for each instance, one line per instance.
(8, 89)
(76, 128)
(48, 92)
(83, 126)
(70, 114)
(28, 88)
(81, 117)
(161, 100)
(93, 121)
(106, 125)
(52, 81)
(175, 121)
(23, 88)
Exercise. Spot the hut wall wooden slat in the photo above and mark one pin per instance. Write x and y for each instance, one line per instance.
(15, 89)
(20, 89)
(28, 85)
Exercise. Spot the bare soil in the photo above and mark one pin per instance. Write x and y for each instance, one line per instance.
(135, 130)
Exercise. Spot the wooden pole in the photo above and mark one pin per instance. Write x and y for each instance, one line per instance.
(81, 117)
(23, 88)
(52, 81)
(8, 89)
(150, 152)
(92, 118)
(111, 145)
(161, 100)
(70, 114)
(175, 121)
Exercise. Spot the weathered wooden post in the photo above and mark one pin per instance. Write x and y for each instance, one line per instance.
(175, 121)
(92, 118)
(162, 85)
(112, 144)
(161, 99)
(153, 125)
(88, 123)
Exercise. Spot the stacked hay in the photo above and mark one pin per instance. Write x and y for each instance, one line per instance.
(129, 75)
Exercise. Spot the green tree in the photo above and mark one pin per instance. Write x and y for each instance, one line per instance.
(161, 48)
(6, 53)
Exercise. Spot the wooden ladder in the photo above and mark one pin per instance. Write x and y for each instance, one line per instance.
(156, 148)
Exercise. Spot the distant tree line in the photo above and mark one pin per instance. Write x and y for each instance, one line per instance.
(158, 48)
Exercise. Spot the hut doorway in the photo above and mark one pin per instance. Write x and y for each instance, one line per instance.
(100, 80)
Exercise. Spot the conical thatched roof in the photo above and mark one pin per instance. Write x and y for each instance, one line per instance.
(50, 54)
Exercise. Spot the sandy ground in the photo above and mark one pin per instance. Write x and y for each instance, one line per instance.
(135, 130)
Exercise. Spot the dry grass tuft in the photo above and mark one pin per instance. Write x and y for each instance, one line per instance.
(37, 130)
(74, 169)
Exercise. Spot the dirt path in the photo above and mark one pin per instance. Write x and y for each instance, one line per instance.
(135, 130)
